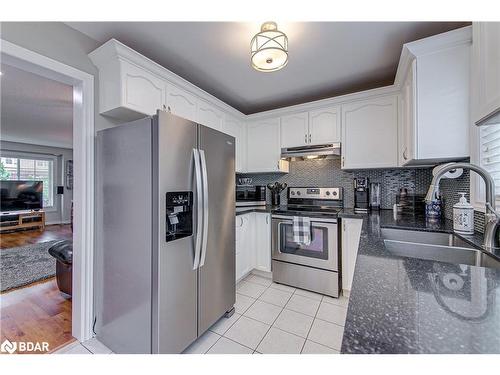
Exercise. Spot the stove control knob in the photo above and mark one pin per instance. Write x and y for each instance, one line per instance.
(298, 193)
(327, 193)
(334, 193)
(292, 192)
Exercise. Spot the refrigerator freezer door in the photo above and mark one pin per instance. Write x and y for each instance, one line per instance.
(175, 294)
(124, 244)
(217, 290)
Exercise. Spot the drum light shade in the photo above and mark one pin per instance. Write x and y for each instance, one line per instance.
(269, 48)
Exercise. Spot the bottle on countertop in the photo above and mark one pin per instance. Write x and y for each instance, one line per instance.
(463, 216)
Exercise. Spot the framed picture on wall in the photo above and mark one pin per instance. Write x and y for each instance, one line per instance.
(69, 174)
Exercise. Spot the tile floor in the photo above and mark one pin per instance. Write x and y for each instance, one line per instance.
(270, 319)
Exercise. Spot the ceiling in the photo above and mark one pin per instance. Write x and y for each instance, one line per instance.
(325, 58)
(35, 109)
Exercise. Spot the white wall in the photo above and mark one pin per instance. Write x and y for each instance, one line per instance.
(63, 154)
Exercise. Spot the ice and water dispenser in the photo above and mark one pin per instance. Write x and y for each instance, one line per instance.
(179, 215)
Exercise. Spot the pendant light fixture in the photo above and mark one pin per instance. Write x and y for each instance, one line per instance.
(269, 48)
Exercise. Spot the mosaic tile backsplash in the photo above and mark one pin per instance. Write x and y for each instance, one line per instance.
(327, 172)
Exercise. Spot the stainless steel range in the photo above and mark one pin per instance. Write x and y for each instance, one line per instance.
(313, 266)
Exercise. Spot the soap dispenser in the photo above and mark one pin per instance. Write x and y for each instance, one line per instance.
(463, 216)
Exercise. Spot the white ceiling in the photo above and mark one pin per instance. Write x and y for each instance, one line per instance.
(325, 58)
(35, 109)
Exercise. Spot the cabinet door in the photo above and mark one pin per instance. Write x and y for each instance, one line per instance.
(209, 116)
(143, 91)
(295, 130)
(249, 248)
(324, 125)
(240, 247)
(486, 67)
(236, 129)
(181, 102)
(263, 146)
(263, 241)
(370, 133)
(351, 233)
(408, 123)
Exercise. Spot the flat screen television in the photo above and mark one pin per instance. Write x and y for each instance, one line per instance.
(21, 195)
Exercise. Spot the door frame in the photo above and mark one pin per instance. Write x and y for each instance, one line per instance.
(83, 155)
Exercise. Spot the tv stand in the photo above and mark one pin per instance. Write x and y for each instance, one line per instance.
(22, 220)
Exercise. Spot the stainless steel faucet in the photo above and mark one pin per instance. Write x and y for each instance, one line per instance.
(492, 218)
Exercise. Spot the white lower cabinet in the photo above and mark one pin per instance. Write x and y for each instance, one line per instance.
(262, 242)
(351, 234)
(253, 243)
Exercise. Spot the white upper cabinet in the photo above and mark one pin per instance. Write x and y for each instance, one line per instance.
(295, 130)
(209, 116)
(237, 129)
(324, 125)
(263, 147)
(181, 103)
(435, 115)
(316, 127)
(486, 69)
(370, 133)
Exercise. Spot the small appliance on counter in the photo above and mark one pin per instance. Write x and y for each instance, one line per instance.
(361, 194)
(250, 195)
(410, 203)
(463, 216)
(276, 189)
(374, 195)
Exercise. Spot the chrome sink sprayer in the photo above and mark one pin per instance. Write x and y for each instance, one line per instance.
(492, 219)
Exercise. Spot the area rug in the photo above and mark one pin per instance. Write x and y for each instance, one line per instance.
(24, 265)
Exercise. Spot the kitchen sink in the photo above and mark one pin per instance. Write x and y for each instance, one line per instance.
(442, 247)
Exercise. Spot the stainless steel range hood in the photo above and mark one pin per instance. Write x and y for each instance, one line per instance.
(328, 151)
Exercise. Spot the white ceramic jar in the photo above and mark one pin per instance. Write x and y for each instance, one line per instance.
(463, 216)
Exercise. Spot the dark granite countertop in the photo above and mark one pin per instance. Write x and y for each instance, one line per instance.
(408, 305)
(249, 209)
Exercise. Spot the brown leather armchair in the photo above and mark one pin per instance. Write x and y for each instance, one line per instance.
(63, 252)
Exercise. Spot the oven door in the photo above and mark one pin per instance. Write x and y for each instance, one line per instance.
(322, 252)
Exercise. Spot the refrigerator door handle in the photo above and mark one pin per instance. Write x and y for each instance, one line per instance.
(199, 209)
(205, 207)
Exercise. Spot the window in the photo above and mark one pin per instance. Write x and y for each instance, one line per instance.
(29, 168)
(489, 155)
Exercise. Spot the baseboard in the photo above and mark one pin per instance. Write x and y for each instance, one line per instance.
(57, 222)
(267, 275)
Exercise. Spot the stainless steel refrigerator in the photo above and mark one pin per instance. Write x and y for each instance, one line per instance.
(165, 233)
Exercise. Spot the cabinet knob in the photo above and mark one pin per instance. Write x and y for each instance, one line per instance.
(305, 138)
(405, 156)
(309, 138)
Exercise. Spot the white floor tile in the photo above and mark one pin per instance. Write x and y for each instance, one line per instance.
(310, 347)
(203, 343)
(96, 347)
(294, 322)
(226, 346)
(303, 305)
(276, 297)
(263, 312)
(283, 287)
(223, 324)
(247, 332)
(242, 303)
(250, 289)
(73, 348)
(341, 301)
(277, 341)
(259, 280)
(308, 294)
(325, 333)
(332, 313)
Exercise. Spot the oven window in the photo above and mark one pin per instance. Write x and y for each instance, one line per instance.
(318, 248)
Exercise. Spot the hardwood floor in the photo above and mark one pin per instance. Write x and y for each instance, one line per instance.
(38, 312)
(26, 237)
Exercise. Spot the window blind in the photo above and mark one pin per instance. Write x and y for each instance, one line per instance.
(490, 153)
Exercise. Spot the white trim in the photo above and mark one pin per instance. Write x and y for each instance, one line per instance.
(83, 193)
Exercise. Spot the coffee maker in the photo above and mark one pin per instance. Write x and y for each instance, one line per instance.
(361, 194)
